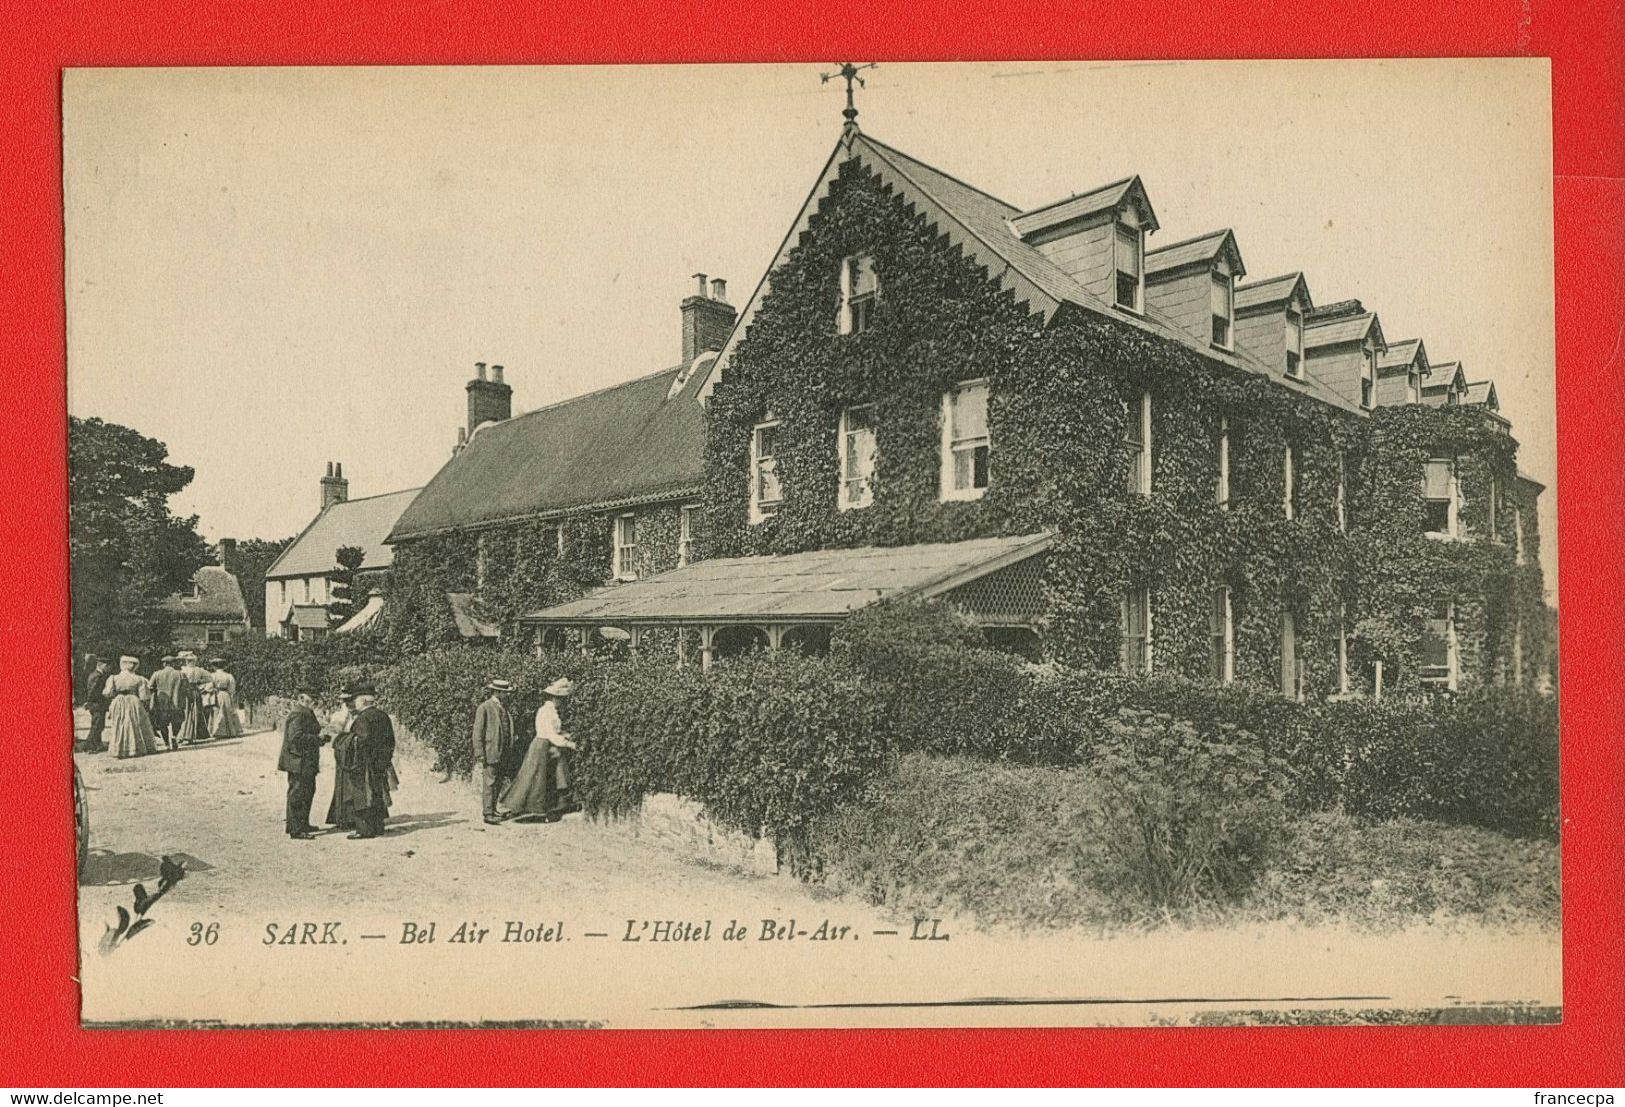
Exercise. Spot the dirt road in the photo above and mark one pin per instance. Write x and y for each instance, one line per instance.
(447, 919)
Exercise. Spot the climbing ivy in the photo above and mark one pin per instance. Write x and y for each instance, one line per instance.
(1057, 416)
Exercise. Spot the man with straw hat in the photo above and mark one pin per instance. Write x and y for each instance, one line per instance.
(493, 746)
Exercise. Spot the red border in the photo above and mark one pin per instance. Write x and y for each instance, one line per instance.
(42, 1043)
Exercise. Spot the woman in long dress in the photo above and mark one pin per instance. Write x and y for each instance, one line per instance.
(542, 784)
(224, 723)
(127, 717)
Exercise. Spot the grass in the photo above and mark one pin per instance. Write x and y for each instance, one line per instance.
(1010, 847)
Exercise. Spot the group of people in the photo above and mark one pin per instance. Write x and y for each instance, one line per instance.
(180, 703)
(516, 778)
(363, 763)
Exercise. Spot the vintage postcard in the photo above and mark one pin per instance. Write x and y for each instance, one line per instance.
(846, 545)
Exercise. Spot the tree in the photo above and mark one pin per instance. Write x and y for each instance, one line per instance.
(254, 556)
(126, 552)
(342, 581)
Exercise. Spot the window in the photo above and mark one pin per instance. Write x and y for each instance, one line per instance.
(1495, 508)
(1221, 303)
(857, 438)
(1289, 481)
(307, 589)
(284, 593)
(1517, 534)
(1222, 634)
(860, 288)
(965, 444)
(1294, 343)
(685, 534)
(481, 560)
(1413, 387)
(1342, 649)
(1130, 265)
(1136, 630)
(765, 494)
(1342, 492)
(1439, 495)
(558, 537)
(626, 547)
(1439, 646)
(1292, 667)
(214, 635)
(1137, 434)
(1223, 494)
(1368, 376)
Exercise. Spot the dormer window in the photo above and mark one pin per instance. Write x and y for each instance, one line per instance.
(1413, 387)
(765, 494)
(1129, 250)
(1368, 376)
(860, 288)
(966, 447)
(1222, 308)
(1294, 343)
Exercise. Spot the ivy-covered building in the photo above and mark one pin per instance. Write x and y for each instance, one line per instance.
(1109, 453)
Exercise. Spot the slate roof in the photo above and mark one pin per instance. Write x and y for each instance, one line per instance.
(364, 522)
(637, 442)
(1105, 198)
(219, 599)
(1483, 392)
(307, 616)
(1271, 290)
(1400, 355)
(1203, 248)
(814, 585)
(1331, 330)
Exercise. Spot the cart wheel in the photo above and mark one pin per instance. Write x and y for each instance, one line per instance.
(81, 818)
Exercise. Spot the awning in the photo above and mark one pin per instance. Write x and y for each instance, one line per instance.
(822, 586)
(365, 618)
(307, 616)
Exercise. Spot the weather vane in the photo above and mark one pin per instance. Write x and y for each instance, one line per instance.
(850, 73)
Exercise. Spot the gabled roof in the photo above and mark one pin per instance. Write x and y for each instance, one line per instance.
(1447, 376)
(816, 585)
(307, 616)
(1194, 251)
(981, 225)
(1272, 290)
(1108, 197)
(1334, 329)
(1402, 355)
(219, 599)
(1483, 392)
(638, 442)
(364, 522)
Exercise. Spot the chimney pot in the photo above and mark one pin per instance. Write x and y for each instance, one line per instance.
(496, 374)
(699, 279)
(719, 290)
(479, 370)
(335, 489)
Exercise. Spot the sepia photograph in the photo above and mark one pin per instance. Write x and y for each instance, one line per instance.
(846, 545)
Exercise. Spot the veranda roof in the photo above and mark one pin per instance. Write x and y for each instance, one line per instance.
(814, 586)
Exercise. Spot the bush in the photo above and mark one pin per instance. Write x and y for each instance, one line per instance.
(766, 743)
(945, 692)
(1186, 815)
(266, 667)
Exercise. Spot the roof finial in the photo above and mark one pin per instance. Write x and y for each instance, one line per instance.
(849, 72)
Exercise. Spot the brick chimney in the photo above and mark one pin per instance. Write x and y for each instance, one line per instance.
(708, 318)
(335, 489)
(489, 399)
(228, 553)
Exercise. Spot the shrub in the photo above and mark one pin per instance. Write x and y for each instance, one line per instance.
(1186, 815)
(944, 691)
(266, 667)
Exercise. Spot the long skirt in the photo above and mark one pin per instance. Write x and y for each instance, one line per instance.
(223, 721)
(541, 785)
(130, 726)
(186, 724)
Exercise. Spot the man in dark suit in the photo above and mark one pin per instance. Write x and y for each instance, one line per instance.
(301, 760)
(96, 704)
(493, 746)
(366, 767)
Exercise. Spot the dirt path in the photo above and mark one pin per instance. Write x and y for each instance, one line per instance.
(629, 925)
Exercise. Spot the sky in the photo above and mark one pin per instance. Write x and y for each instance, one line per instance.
(270, 269)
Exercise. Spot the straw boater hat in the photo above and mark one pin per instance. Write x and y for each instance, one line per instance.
(186, 655)
(560, 687)
(128, 659)
(500, 686)
(168, 657)
(217, 661)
